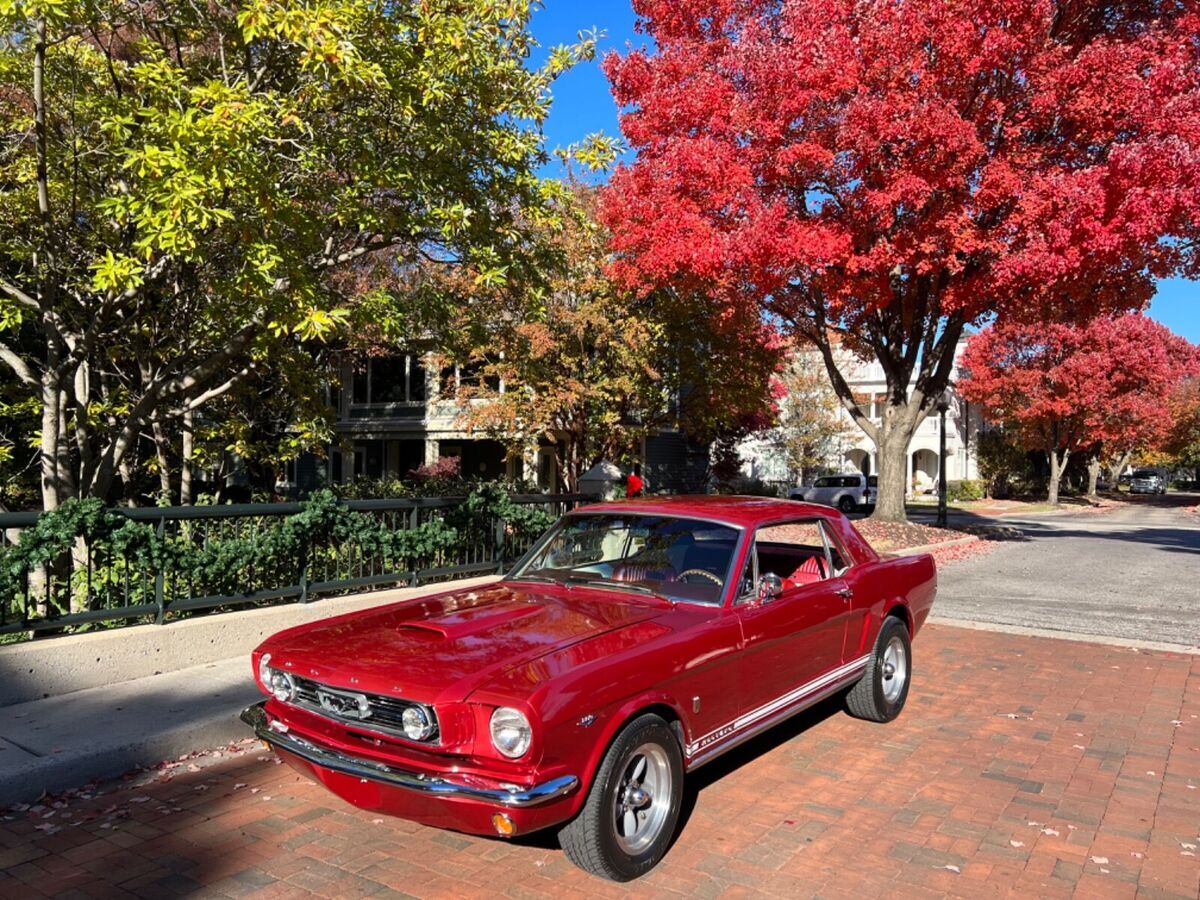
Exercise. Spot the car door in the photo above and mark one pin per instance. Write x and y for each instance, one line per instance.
(821, 490)
(790, 642)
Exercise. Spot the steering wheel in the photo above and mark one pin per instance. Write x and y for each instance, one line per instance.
(707, 574)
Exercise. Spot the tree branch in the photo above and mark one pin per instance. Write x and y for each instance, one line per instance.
(840, 386)
(18, 365)
(213, 393)
(19, 295)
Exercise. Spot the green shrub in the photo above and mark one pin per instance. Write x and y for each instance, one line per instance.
(968, 489)
(231, 557)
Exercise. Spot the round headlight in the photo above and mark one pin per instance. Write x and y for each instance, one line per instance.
(282, 685)
(264, 670)
(511, 734)
(417, 725)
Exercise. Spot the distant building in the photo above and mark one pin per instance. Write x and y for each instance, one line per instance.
(395, 413)
(763, 457)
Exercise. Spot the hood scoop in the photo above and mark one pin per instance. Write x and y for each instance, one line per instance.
(466, 622)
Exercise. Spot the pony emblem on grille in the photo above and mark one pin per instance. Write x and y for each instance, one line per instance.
(344, 703)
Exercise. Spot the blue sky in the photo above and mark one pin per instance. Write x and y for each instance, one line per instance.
(583, 104)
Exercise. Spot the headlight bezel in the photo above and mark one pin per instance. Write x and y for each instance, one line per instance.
(278, 683)
(423, 729)
(507, 720)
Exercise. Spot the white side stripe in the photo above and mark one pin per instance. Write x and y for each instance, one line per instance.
(773, 706)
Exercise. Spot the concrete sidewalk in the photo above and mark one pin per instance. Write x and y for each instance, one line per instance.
(91, 706)
(63, 742)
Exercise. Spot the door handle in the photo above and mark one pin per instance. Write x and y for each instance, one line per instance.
(845, 592)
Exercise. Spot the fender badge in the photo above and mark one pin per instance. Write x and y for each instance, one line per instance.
(587, 721)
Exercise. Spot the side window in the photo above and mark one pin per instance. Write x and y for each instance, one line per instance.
(795, 551)
(838, 560)
(800, 553)
(823, 482)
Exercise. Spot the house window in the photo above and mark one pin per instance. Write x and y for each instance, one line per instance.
(389, 379)
(473, 376)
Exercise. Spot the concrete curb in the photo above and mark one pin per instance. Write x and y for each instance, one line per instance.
(928, 548)
(1026, 631)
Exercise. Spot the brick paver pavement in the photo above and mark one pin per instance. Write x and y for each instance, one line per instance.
(1021, 765)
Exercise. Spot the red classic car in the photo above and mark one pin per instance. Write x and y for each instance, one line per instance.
(636, 641)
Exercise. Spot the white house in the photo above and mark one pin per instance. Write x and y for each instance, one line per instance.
(763, 457)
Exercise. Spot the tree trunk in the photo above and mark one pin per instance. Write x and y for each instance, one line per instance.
(892, 453)
(185, 467)
(162, 446)
(55, 452)
(1057, 465)
(1093, 475)
(1117, 468)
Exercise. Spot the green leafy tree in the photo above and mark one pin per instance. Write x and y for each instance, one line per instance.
(179, 183)
(812, 425)
(595, 368)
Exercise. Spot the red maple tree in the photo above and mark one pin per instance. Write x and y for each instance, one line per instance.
(877, 176)
(1080, 388)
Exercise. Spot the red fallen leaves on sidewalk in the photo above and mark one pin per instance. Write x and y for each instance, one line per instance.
(889, 536)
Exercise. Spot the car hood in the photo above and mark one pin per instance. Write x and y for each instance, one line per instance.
(441, 648)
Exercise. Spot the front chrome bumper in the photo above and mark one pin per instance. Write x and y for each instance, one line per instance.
(277, 735)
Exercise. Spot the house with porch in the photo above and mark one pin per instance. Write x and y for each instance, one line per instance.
(763, 457)
(397, 412)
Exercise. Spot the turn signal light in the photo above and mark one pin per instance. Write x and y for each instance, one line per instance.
(504, 825)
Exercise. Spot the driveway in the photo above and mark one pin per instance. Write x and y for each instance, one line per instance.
(1022, 765)
(1130, 573)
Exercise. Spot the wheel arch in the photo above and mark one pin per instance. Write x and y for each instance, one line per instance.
(898, 610)
(660, 704)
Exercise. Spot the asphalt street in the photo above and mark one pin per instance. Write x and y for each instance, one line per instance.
(1131, 573)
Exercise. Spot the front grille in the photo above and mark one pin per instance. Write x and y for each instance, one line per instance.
(385, 712)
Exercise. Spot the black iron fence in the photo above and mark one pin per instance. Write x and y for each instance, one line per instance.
(87, 564)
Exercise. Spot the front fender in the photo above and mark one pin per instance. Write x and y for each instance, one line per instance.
(595, 737)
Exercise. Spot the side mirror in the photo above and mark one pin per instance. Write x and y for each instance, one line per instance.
(770, 586)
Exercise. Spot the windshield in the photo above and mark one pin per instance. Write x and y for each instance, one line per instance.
(680, 559)
(1145, 473)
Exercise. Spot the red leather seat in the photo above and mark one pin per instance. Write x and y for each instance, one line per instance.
(808, 572)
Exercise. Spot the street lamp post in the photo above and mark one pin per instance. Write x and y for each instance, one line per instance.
(942, 406)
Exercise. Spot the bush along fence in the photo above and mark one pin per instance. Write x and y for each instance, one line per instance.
(85, 565)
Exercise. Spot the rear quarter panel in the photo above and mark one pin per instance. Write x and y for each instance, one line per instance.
(906, 585)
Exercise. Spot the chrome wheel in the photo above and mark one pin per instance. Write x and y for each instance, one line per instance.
(895, 669)
(642, 798)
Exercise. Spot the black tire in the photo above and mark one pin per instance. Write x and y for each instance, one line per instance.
(875, 697)
(847, 504)
(593, 840)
